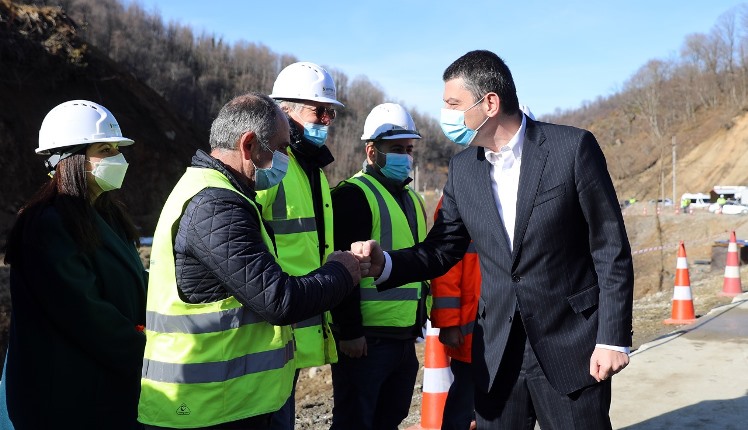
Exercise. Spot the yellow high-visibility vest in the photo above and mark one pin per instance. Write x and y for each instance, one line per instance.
(289, 209)
(206, 363)
(396, 307)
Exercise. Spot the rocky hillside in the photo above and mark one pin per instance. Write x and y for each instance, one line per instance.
(709, 152)
(43, 62)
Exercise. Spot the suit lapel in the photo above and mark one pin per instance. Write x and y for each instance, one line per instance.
(534, 157)
(486, 194)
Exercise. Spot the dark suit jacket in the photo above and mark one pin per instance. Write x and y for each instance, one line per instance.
(570, 273)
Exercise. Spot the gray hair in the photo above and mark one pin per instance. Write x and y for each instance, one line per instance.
(294, 106)
(249, 112)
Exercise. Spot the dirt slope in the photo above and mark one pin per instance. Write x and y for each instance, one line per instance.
(720, 158)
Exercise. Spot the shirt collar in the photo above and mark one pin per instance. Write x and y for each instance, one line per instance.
(515, 143)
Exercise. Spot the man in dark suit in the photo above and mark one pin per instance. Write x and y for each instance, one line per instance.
(554, 316)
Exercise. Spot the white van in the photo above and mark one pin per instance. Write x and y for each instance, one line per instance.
(698, 200)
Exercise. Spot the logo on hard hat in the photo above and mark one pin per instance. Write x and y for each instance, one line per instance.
(328, 90)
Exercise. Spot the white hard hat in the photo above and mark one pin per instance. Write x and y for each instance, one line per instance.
(389, 121)
(78, 122)
(305, 81)
(526, 111)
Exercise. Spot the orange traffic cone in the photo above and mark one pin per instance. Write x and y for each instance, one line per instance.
(437, 377)
(731, 287)
(683, 312)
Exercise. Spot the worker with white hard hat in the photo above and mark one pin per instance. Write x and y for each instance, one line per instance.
(299, 209)
(374, 377)
(77, 283)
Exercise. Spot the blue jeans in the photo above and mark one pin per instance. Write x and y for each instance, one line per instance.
(285, 417)
(459, 409)
(374, 392)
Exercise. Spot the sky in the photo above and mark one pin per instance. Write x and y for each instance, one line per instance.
(561, 53)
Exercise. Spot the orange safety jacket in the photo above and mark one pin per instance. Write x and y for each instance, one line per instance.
(455, 299)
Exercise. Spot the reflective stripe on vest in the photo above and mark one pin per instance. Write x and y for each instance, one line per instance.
(206, 363)
(446, 303)
(280, 222)
(467, 329)
(289, 210)
(309, 322)
(201, 373)
(396, 307)
(201, 323)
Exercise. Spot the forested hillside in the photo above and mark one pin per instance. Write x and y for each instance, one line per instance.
(132, 61)
(693, 100)
(198, 73)
(43, 62)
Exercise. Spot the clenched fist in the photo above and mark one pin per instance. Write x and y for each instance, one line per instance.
(371, 256)
(350, 261)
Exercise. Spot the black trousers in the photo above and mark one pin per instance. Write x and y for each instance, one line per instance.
(522, 395)
(374, 392)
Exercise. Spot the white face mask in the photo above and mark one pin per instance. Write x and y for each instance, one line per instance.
(109, 172)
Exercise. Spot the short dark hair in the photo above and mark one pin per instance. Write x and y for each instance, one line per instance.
(484, 72)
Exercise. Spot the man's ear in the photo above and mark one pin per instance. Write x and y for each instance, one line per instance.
(370, 152)
(494, 104)
(246, 141)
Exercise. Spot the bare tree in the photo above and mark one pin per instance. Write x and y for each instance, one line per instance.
(645, 93)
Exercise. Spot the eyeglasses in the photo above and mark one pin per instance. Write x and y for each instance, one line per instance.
(320, 111)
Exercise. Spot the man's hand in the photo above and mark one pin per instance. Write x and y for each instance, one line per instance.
(369, 252)
(354, 348)
(451, 336)
(605, 363)
(350, 261)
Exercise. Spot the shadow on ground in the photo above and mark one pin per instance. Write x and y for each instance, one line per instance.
(728, 414)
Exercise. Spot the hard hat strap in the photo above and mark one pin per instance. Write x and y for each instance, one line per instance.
(395, 133)
(52, 162)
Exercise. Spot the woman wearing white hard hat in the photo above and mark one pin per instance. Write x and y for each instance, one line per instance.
(77, 284)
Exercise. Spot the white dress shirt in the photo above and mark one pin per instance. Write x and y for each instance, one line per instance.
(505, 179)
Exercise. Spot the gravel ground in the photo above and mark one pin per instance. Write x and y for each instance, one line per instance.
(654, 271)
(314, 392)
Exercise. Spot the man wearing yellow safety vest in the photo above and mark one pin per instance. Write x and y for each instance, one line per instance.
(219, 349)
(374, 377)
(299, 209)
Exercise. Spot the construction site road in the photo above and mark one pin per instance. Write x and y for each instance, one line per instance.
(693, 378)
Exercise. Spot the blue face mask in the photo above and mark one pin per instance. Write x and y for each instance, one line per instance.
(315, 133)
(396, 166)
(273, 175)
(453, 125)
